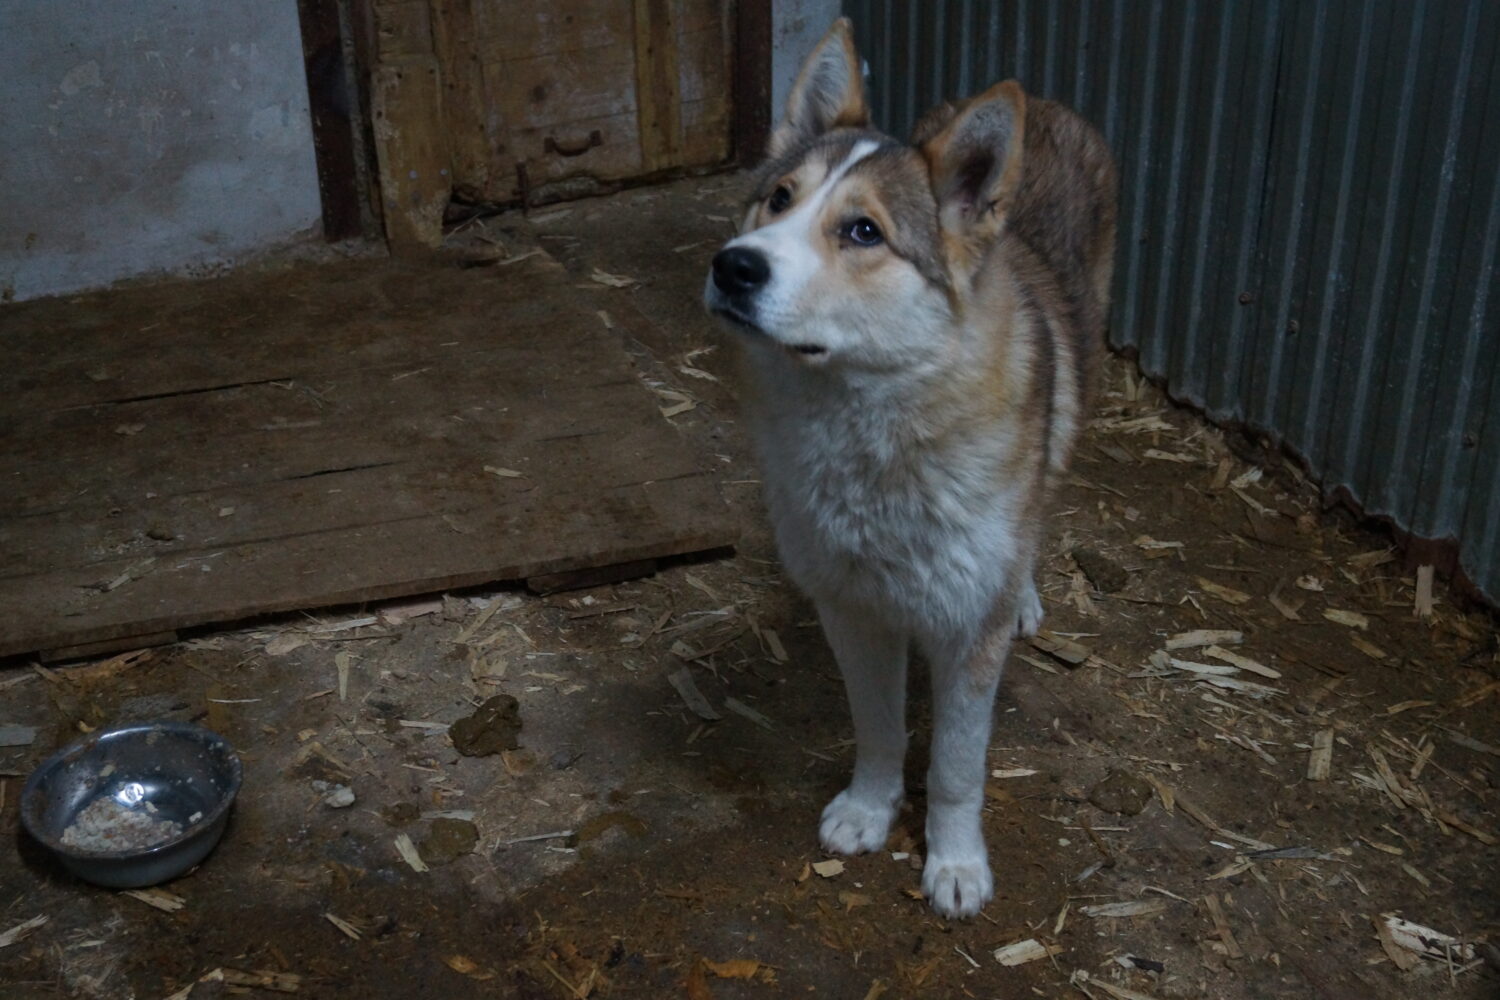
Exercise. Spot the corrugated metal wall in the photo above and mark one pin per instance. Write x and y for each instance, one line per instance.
(1310, 215)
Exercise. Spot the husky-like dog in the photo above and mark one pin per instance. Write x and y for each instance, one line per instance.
(921, 323)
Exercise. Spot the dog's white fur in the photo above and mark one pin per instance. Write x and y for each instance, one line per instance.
(887, 508)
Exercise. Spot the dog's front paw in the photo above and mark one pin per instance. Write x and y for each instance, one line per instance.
(958, 887)
(1028, 611)
(853, 825)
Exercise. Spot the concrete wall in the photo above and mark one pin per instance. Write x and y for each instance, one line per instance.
(148, 136)
(796, 26)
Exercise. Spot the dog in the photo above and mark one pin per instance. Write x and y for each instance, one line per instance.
(920, 323)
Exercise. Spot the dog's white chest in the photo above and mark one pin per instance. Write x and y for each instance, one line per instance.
(867, 512)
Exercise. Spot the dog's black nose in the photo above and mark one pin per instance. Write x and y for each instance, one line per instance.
(739, 270)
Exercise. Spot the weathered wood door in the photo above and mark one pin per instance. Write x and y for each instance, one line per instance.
(520, 100)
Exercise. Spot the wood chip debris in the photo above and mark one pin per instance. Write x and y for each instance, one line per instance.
(1474, 697)
(1243, 662)
(1030, 950)
(1171, 456)
(1014, 772)
(1320, 760)
(1238, 866)
(285, 643)
(1217, 675)
(404, 611)
(1083, 981)
(266, 979)
(1226, 594)
(1286, 608)
(532, 838)
(1369, 560)
(466, 966)
(736, 968)
(1201, 818)
(1205, 637)
(1404, 959)
(1352, 619)
(408, 852)
(1470, 743)
(344, 926)
(829, 868)
(682, 681)
(1421, 942)
(1129, 908)
(341, 661)
(25, 927)
(612, 280)
(679, 402)
(740, 708)
(1221, 925)
(1404, 795)
(163, 900)
(1149, 424)
(346, 625)
(133, 572)
(1069, 652)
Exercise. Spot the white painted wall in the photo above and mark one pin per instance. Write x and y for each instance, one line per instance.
(796, 26)
(148, 136)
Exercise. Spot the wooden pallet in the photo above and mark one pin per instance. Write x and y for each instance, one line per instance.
(193, 453)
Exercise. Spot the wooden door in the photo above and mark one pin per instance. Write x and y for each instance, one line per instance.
(524, 100)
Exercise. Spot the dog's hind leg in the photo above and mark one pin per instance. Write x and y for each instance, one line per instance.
(956, 876)
(872, 658)
(1029, 610)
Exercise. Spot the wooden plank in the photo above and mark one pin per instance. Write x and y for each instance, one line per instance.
(330, 97)
(390, 475)
(92, 650)
(362, 37)
(140, 349)
(657, 82)
(274, 430)
(412, 151)
(752, 81)
(402, 28)
(282, 502)
(467, 111)
(598, 576)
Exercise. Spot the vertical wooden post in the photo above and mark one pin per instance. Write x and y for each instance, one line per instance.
(658, 91)
(751, 124)
(330, 97)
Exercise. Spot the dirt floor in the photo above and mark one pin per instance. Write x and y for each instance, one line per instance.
(1151, 820)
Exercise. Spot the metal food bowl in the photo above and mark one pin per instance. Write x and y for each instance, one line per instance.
(172, 772)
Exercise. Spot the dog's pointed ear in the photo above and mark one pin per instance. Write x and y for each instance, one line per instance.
(829, 92)
(975, 162)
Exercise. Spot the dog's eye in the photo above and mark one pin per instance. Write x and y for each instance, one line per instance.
(779, 200)
(865, 232)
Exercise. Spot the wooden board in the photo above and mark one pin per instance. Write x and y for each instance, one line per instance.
(411, 146)
(574, 97)
(187, 454)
